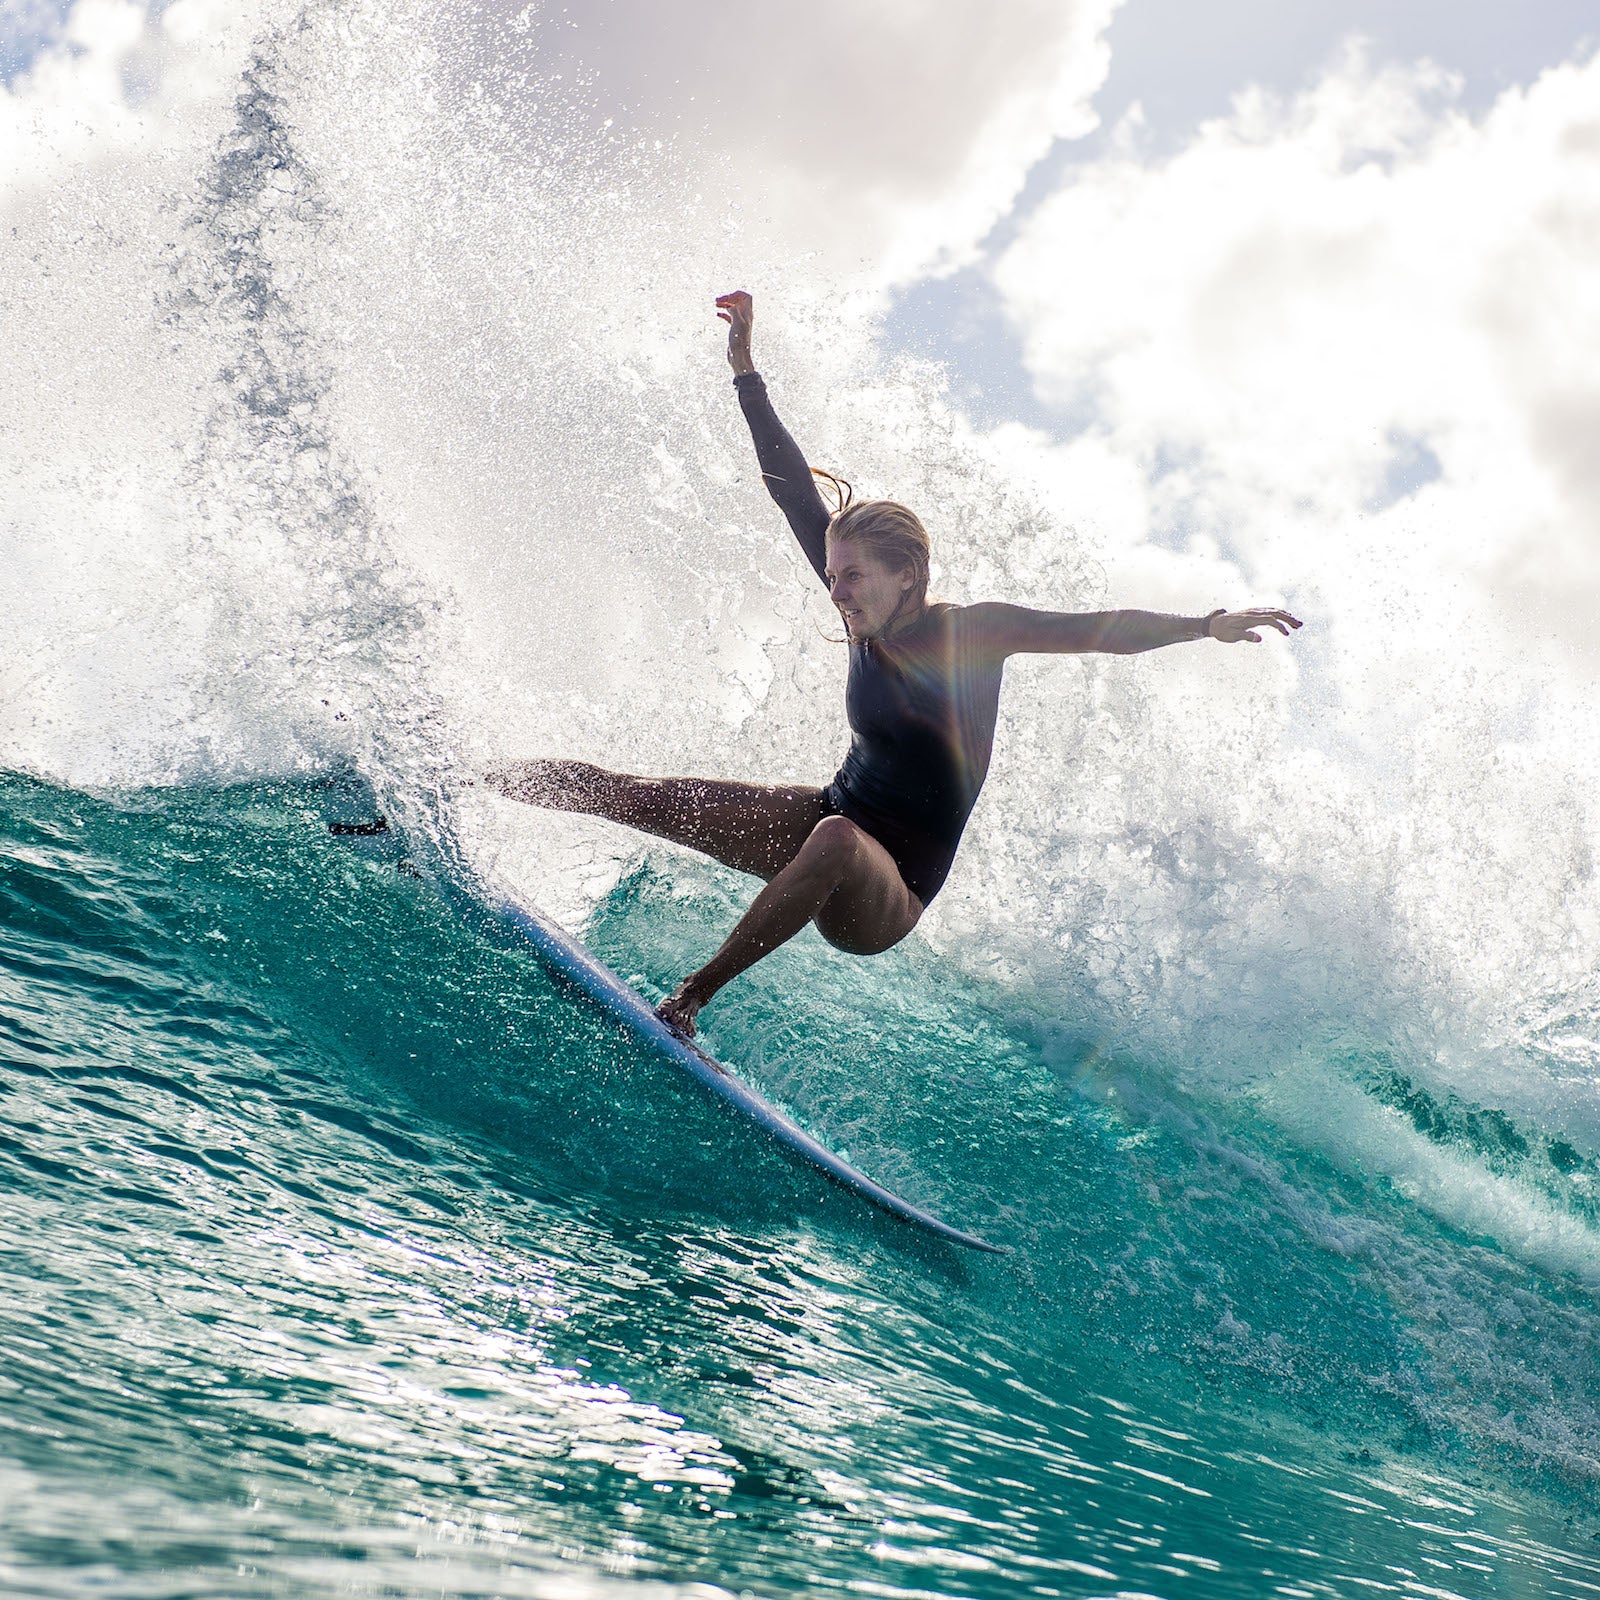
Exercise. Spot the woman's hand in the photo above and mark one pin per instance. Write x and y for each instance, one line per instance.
(1233, 626)
(738, 311)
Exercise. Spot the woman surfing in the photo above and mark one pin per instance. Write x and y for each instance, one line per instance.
(862, 857)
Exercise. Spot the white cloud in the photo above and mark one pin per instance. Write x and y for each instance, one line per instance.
(1281, 323)
(117, 80)
(879, 141)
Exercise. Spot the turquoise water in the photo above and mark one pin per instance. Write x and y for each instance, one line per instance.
(342, 1256)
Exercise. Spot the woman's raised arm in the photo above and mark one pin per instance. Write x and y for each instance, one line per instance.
(1007, 630)
(783, 467)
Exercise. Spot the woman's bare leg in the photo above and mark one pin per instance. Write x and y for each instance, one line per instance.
(842, 879)
(751, 827)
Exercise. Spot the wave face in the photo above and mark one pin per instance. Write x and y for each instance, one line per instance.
(346, 1256)
(343, 1254)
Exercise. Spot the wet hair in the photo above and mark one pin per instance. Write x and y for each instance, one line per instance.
(885, 528)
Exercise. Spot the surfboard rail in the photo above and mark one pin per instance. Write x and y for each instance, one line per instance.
(351, 813)
(564, 957)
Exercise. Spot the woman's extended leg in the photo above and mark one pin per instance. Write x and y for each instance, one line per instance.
(751, 827)
(842, 879)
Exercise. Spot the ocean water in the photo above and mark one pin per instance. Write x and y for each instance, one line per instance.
(344, 1255)
(364, 415)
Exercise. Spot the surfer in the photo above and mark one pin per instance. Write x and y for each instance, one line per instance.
(863, 857)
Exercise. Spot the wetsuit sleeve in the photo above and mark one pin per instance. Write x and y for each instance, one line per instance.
(784, 471)
(1005, 630)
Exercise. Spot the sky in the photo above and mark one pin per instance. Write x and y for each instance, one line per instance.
(1174, 65)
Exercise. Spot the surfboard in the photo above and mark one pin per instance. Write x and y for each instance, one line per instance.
(582, 972)
(567, 960)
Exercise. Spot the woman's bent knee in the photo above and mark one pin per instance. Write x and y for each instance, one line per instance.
(852, 943)
(870, 909)
(835, 839)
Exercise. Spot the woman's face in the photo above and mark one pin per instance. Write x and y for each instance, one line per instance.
(863, 588)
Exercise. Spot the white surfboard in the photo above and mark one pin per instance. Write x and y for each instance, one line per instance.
(566, 959)
(581, 971)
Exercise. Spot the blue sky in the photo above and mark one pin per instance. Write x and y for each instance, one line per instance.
(1184, 61)
(1177, 64)
(26, 27)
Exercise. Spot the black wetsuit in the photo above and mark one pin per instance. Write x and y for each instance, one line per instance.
(921, 705)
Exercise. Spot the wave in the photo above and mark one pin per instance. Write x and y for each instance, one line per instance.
(1379, 1271)
(1282, 1091)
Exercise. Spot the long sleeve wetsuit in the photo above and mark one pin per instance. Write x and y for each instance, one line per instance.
(921, 705)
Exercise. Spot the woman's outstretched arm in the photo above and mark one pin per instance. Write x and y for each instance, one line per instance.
(1008, 630)
(783, 467)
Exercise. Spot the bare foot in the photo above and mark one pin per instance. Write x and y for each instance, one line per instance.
(680, 1008)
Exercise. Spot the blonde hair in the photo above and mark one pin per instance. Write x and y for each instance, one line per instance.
(885, 528)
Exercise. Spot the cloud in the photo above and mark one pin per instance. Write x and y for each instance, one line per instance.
(1352, 338)
(115, 77)
(881, 141)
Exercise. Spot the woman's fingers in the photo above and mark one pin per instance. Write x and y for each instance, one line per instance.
(1263, 617)
(736, 308)
(1240, 627)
